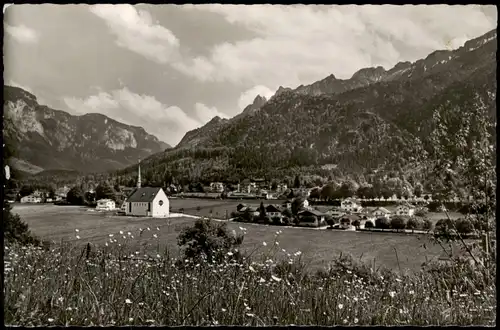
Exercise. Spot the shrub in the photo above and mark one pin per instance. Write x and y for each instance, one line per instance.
(276, 220)
(464, 226)
(444, 226)
(330, 220)
(415, 223)
(398, 223)
(234, 214)
(421, 212)
(356, 223)
(287, 221)
(427, 225)
(382, 223)
(369, 224)
(207, 238)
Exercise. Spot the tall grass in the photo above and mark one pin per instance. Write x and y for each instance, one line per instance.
(114, 285)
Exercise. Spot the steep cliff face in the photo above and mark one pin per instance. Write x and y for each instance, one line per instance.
(53, 139)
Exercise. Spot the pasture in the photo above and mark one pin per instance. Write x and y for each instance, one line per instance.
(319, 247)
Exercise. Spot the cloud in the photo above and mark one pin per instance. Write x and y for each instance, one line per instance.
(248, 96)
(22, 33)
(205, 113)
(301, 44)
(168, 123)
(135, 30)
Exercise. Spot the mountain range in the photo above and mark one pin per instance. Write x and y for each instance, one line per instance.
(378, 120)
(44, 139)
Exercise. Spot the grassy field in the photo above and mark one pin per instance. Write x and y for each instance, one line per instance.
(319, 247)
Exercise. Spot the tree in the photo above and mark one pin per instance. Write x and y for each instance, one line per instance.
(348, 188)
(315, 193)
(262, 211)
(14, 229)
(369, 224)
(382, 223)
(330, 220)
(207, 239)
(398, 223)
(464, 226)
(296, 182)
(26, 190)
(414, 223)
(75, 196)
(297, 205)
(327, 192)
(418, 190)
(104, 191)
(274, 186)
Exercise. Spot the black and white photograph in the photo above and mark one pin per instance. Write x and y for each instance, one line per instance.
(249, 165)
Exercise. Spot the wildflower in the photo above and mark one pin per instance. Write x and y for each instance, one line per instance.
(69, 309)
(224, 310)
(356, 320)
(77, 237)
(251, 268)
(264, 243)
(340, 306)
(158, 256)
(250, 315)
(155, 236)
(77, 230)
(261, 280)
(124, 237)
(106, 244)
(230, 253)
(411, 292)
(157, 228)
(111, 235)
(277, 279)
(398, 280)
(149, 229)
(277, 243)
(129, 233)
(128, 301)
(345, 321)
(298, 253)
(247, 308)
(392, 294)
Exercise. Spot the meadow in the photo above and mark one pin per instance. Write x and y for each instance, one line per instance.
(133, 274)
(319, 247)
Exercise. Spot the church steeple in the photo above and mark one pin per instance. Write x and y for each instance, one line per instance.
(139, 176)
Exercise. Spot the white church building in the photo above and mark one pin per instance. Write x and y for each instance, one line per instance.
(147, 201)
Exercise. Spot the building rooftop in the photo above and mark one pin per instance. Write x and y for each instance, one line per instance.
(143, 195)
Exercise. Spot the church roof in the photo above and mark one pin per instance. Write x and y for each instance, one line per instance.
(143, 195)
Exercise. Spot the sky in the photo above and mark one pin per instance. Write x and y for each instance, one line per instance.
(172, 68)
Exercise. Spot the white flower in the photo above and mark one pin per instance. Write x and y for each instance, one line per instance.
(264, 243)
(261, 280)
(131, 319)
(298, 253)
(111, 235)
(129, 233)
(77, 237)
(356, 320)
(392, 294)
(149, 228)
(251, 268)
(250, 315)
(121, 232)
(340, 306)
(230, 253)
(411, 292)
(277, 279)
(106, 244)
(277, 243)
(124, 237)
(77, 230)
(158, 256)
(155, 236)
(128, 301)
(50, 319)
(157, 228)
(224, 310)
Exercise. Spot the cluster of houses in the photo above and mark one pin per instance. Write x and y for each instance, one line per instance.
(347, 214)
(39, 196)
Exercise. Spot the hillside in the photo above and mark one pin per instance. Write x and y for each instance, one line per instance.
(46, 139)
(378, 120)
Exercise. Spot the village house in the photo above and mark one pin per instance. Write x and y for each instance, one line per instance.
(217, 187)
(265, 194)
(287, 204)
(350, 205)
(252, 210)
(380, 212)
(312, 217)
(405, 209)
(105, 205)
(147, 201)
(281, 188)
(31, 199)
(336, 213)
(273, 211)
(347, 221)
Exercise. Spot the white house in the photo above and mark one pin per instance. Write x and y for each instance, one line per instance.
(105, 205)
(31, 199)
(336, 213)
(281, 188)
(380, 212)
(148, 202)
(350, 205)
(405, 209)
(306, 204)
